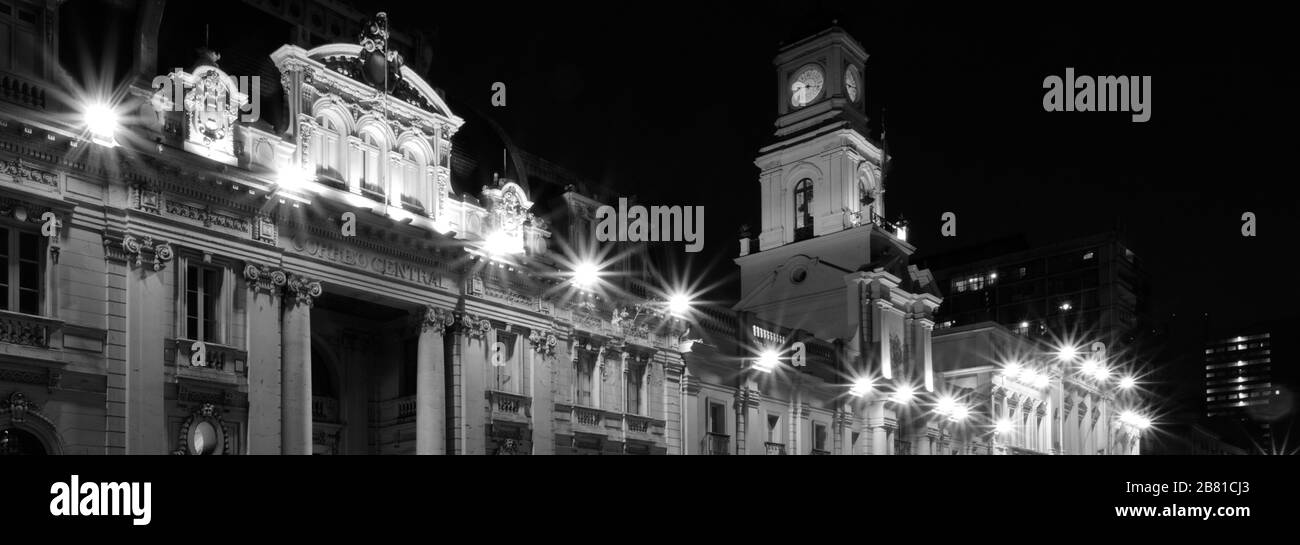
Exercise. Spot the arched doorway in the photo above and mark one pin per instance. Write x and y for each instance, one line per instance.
(16, 442)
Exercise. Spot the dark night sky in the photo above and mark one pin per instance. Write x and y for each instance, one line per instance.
(672, 102)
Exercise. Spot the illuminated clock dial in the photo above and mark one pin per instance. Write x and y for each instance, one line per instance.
(851, 83)
(806, 87)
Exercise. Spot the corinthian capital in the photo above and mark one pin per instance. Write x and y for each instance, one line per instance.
(436, 319)
(301, 290)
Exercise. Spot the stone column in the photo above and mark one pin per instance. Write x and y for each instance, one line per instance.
(430, 409)
(295, 368)
(264, 352)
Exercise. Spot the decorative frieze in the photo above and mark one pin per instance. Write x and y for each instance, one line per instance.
(207, 216)
(23, 172)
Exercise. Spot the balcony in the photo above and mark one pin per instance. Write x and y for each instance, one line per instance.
(397, 410)
(221, 363)
(820, 452)
(641, 428)
(27, 330)
(508, 407)
(324, 409)
(588, 420)
(717, 444)
(27, 92)
(775, 449)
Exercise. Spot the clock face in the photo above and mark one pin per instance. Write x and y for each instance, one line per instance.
(851, 83)
(806, 87)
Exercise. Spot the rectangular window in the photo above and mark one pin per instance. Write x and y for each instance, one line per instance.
(773, 428)
(585, 384)
(20, 289)
(203, 308)
(20, 45)
(717, 418)
(635, 387)
(505, 362)
(819, 437)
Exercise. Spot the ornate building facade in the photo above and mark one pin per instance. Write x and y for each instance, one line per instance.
(185, 278)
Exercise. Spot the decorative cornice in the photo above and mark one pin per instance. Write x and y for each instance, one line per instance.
(264, 278)
(302, 290)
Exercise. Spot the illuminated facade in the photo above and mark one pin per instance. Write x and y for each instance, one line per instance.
(186, 280)
(186, 277)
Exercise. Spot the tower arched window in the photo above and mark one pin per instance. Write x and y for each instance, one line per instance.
(803, 218)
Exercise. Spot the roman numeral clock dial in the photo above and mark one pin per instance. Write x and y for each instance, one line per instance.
(851, 83)
(806, 87)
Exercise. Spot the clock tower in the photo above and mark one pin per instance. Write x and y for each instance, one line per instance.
(827, 266)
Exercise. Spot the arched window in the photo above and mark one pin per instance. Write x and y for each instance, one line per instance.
(803, 218)
(415, 186)
(371, 153)
(328, 149)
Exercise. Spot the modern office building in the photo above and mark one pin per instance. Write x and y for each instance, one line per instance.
(1250, 388)
(1090, 287)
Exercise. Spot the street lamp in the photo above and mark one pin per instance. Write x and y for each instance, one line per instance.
(1003, 426)
(1067, 353)
(1127, 382)
(679, 304)
(585, 275)
(767, 361)
(292, 177)
(102, 122)
(861, 387)
(903, 394)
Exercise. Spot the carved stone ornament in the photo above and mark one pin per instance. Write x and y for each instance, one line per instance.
(436, 319)
(203, 433)
(135, 250)
(476, 328)
(18, 407)
(264, 278)
(543, 343)
(301, 290)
